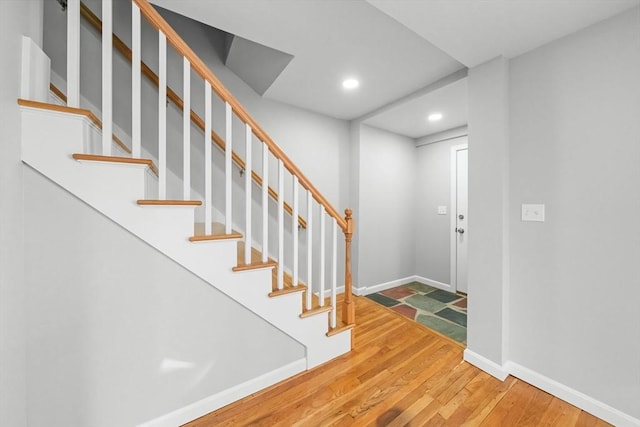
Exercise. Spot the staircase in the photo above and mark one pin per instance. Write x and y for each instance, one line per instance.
(80, 153)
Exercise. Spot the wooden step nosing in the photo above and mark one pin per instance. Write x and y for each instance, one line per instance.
(48, 106)
(214, 237)
(338, 330)
(187, 203)
(255, 266)
(286, 291)
(315, 311)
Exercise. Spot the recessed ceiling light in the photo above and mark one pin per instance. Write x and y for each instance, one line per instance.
(350, 84)
(434, 117)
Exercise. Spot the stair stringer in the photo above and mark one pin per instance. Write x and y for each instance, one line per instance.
(49, 138)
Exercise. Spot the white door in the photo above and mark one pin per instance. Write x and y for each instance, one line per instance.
(461, 230)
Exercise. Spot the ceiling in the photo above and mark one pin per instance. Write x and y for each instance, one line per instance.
(409, 117)
(395, 48)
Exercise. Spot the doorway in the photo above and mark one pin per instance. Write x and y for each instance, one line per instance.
(459, 217)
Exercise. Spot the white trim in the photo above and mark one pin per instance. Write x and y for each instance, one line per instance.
(453, 259)
(446, 135)
(366, 290)
(218, 400)
(574, 397)
(434, 283)
(486, 365)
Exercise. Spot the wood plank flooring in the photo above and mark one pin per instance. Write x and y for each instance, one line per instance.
(398, 374)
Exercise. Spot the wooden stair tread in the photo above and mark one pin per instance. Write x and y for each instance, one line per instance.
(254, 266)
(315, 310)
(147, 202)
(340, 327)
(209, 237)
(218, 232)
(115, 159)
(287, 290)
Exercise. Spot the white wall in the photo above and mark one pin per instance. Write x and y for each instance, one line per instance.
(488, 204)
(433, 189)
(118, 333)
(17, 18)
(386, 236)
(575, 146)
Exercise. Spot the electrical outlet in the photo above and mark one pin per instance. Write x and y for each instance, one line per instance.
(531, 212)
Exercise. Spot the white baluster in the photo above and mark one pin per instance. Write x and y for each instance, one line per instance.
(280, 278)
(322, 256)
(207, 158)
(186, 129)
(73, 53)
(247, 188)
(334, 270)
(162, 117)
(136, 116)
(228, 167)
(294, 230)
(265, 202)
(107, 77)
(309, 249)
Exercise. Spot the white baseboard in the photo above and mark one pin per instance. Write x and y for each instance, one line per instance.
(218, 400)
(434, 283)
(366, 290)
(561, 391)
(576, 398)
(486, 365)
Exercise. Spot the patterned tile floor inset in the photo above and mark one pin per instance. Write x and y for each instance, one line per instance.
(437, 309)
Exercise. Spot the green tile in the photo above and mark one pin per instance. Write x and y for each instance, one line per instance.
(453, 316)
(423, 302)
(420, 287)
(381, 299)
(449, 329)
(444, 296)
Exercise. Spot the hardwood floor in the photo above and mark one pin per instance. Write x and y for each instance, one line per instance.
(398, 374)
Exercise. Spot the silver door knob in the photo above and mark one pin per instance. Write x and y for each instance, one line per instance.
(460, 230)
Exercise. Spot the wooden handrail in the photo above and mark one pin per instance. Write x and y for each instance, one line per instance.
(121, 47)
(158, 22)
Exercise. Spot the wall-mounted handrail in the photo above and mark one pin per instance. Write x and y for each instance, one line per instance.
(181, 47)
(125, 51)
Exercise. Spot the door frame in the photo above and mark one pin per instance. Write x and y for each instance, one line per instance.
(453, 260)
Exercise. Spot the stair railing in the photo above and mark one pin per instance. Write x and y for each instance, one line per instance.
(166, 34)
(174, 98)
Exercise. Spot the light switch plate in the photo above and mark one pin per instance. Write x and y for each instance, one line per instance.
(442, 210)
(533, 212)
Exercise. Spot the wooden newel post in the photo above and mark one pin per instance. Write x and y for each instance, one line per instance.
(349, 308)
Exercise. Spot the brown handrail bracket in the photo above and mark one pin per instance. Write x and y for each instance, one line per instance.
(121, 47)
